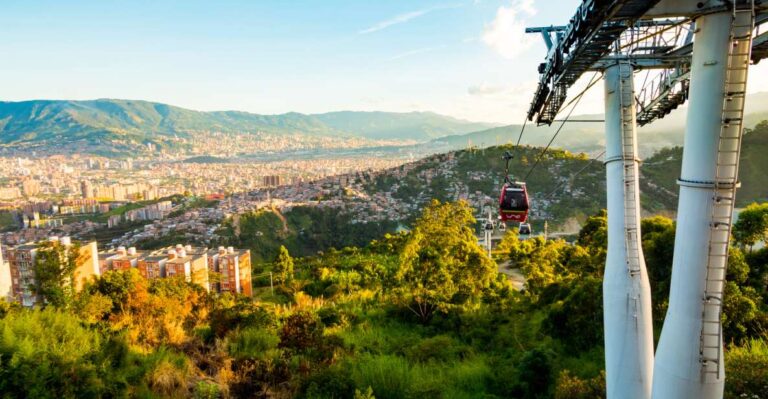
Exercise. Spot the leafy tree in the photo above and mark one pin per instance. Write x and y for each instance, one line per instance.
(594, 233)
(55, 266)
(758, 270)
(283, 267)
(577, 320)
(742, 318)
(442, 266)
(535, 374)
(658, 237)
(752, 225)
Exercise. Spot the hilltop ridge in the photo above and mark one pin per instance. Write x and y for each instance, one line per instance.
(92, 125)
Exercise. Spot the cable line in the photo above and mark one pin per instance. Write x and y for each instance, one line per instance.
(575, 102)
(522, 129)
(596, 158)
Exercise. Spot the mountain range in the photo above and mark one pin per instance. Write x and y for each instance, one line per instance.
(108, 126)
(585, 133)
(60, 124)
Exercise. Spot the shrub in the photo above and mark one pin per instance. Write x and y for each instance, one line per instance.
(572, 387)
(207, 390)
(439, 348)
(168, 373)
(301, 332)
(333, 382)
(43, 352)
(747, 370)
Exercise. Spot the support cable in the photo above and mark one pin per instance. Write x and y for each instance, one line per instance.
(578, 172)
(575, 102)
(522, 129)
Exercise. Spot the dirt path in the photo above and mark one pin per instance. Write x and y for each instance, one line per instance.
(514, 275)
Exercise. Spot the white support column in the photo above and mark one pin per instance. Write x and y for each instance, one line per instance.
(626, 292)
(678, 368)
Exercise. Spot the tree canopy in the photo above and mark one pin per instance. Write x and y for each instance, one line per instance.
(442, 266)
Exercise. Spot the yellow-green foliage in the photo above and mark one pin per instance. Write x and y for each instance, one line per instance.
(343, 326)
(747, 370)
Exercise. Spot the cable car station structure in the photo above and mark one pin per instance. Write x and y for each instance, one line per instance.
(697, 51)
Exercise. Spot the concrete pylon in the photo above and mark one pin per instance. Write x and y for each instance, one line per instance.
(626, 291)
(689, 361)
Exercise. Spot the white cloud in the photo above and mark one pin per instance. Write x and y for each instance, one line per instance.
(484, 89)
(403, 18)
(506, 33)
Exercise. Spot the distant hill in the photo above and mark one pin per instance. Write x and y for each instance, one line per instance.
(418, 126)
(590, 136)
(564, 187)
(662, 170)
(97, 124)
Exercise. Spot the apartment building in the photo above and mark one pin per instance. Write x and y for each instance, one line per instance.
(233, 270)
(21, 264)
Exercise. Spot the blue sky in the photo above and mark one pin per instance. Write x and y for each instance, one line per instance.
(467, 59)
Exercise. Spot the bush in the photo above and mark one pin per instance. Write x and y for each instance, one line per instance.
(572, 387)
(301, 332)
(168, 373)
(42, 352)
(438, 348)
(747, 370)
(207, 390)
(334, 382)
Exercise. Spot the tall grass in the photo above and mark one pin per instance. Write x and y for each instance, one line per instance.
(395, 377)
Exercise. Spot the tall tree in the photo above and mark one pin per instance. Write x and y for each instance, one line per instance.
(442, 266)
(283, 266)
(752, 225)
(55, 266)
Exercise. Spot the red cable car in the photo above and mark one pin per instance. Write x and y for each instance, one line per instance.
(513, 202)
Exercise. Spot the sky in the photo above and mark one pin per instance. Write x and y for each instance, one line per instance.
(468, 59)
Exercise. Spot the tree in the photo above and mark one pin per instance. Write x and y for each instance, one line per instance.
(595, 231)
(283, 266)
(752, 225)
(442, 266)
(55, 266)
(659, 246)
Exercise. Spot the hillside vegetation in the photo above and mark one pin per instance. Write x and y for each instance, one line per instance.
(563, 186)
(661, 171)
(422, 314)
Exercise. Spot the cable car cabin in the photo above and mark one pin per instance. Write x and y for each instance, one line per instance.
(513, 202)
(489, 226)
(502, 226)
(525, 229)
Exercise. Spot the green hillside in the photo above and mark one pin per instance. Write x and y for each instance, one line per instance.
(564, 187)
(662, 170)
(112, 122)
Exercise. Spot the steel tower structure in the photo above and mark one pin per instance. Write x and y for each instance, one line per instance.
(696, 49)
